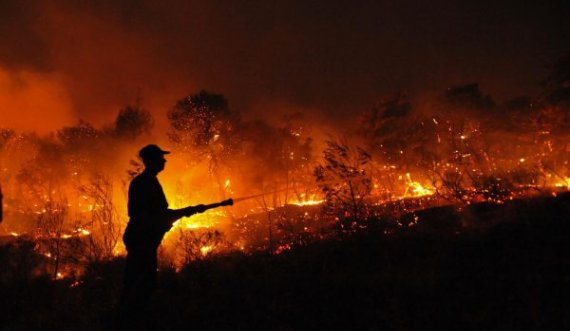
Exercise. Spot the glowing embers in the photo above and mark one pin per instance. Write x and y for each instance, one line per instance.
(205, 250)
(414, 188)
(308, 203)
(563, 183)
(308, 200)
(78, 232)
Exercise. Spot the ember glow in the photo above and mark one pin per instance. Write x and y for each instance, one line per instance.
(564, 183)
(309, 203)
(415, 189)
(205, 250)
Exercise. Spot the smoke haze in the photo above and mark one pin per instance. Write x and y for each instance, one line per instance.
(65, 60)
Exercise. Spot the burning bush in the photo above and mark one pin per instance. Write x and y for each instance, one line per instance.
(346, 182)
(197, 244)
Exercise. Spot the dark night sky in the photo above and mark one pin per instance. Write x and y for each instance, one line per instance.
(63, 60)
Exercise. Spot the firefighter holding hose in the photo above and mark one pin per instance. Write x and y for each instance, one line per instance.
(149, 220)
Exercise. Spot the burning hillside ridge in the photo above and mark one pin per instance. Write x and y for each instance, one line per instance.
(66, 192)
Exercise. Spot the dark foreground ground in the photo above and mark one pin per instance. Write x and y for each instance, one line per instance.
(487, 267)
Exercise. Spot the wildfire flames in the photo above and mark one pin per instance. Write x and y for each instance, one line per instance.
(67, 192)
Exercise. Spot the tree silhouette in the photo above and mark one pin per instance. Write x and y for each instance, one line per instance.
(104, 223)
(282, 157)
(132, 121)
(204, 127)
(202, 123)
(345, 179)
(79, 137)
(469, 96)
(396, 134)
(43, 178)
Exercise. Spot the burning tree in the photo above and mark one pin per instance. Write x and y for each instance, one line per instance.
(132, 121)
(197, 244)
(552, 123)
(204, 127)
(403, 141)
(78, 144)
(345, 180)
(282, 158)
(51, 226)
(297, 156)
(79, 137)
(104, 226)
(397, 135)
(42, 177)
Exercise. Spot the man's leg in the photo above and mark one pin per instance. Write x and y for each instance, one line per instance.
(140, 276)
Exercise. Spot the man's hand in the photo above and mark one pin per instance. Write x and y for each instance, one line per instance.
(200, 208)
(191, 210)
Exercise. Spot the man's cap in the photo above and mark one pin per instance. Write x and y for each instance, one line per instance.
(151, 152)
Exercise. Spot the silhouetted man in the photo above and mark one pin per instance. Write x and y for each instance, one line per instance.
(149, 220)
